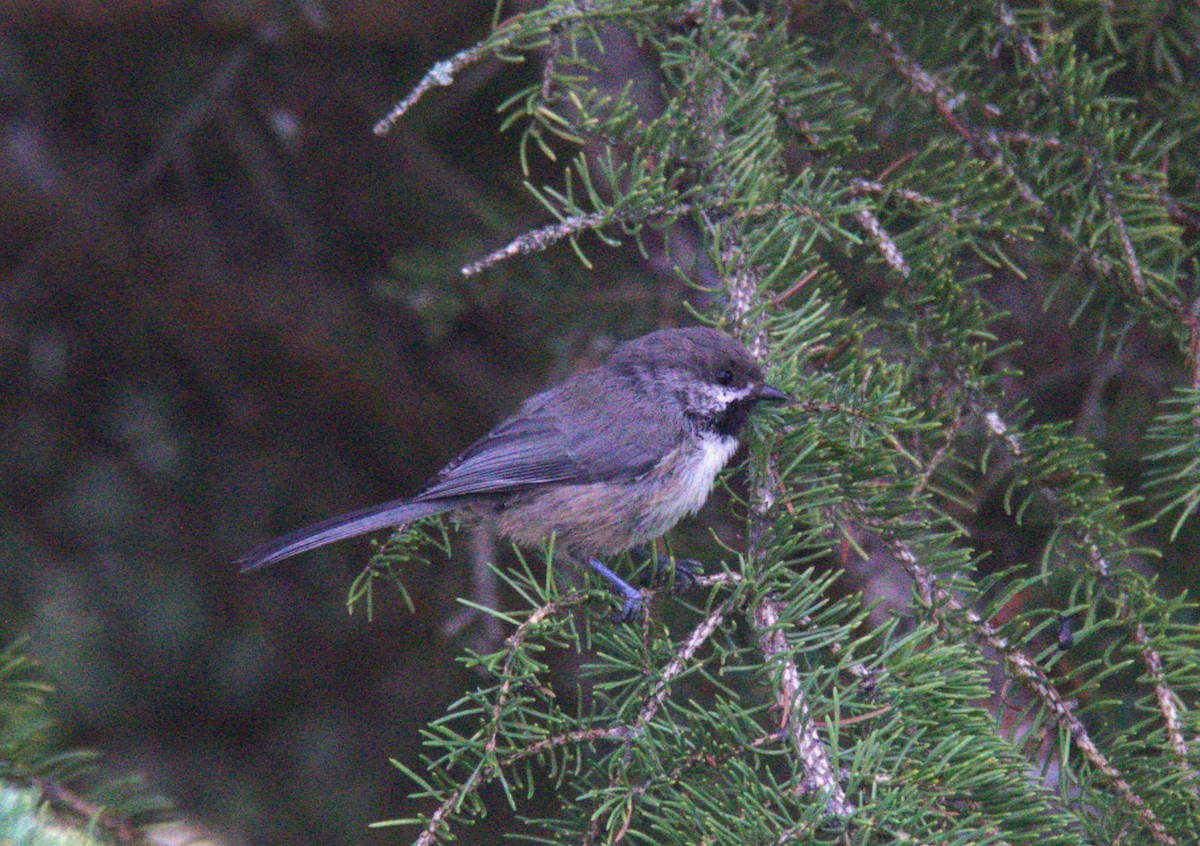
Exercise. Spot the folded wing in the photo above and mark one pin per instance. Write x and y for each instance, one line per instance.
(564, 436)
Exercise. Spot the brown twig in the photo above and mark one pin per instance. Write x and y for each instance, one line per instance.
(438, 820)
(984, 145)
(819, 775)
(794, 287)
(440, 75)
(939, 601)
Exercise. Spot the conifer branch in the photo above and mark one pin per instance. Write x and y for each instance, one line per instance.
(938, 601)
(680, 661)
(819, 775)
(870, 223)
(1164, 695)
(571, 738)
(539, 239)
(440, 75)
(940, 454)
(1151, 660)
(1092, 154)
(1175, 211)
(438, 825)
(883, 242)
(513, 646)
(658, 696)
(743, 283)
(860, 186)
(544, 237)
(985, 145)
(722, 150)
(705, 107)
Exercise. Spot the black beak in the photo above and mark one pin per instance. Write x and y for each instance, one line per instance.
(766, 393)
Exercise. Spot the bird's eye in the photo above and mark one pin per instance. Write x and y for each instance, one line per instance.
(725, 377)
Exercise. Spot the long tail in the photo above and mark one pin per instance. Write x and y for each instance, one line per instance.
(351, 525)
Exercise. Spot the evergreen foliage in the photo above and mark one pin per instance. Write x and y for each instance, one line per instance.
(38, 802)
(934, 151)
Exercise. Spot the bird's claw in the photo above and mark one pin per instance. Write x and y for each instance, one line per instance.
(631, 610)
(680, 573)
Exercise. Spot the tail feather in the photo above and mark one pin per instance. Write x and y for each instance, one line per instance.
(351, 525)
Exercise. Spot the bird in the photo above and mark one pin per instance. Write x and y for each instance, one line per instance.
(605, 462)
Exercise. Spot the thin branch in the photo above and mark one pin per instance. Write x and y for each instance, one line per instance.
(438, 826)
(683, 656)
(544, 237)
(571, 738)
(819, 775)
(939, 600)
(1166, 698)
(744, 282)
(892, 256)
(540, 239)
(986, 145)
(1092, 154)
(955, 213)
(1175, 211)
(654, 701)
(438, 820)
(940, 454)
(440, 75)
(537, 240)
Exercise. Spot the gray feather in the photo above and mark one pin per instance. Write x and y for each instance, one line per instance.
(567, 435)
(351, 525)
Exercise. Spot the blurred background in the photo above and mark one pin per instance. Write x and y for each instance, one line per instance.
(228, 309)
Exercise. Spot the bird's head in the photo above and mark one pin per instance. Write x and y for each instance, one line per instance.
(708, 376)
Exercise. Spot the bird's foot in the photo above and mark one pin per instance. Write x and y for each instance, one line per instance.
(631, 598)
(679, 573)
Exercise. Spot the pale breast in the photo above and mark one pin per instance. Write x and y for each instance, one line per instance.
(681, 483)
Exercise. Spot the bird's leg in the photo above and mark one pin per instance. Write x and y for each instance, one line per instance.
(680, 574)
(631, 604)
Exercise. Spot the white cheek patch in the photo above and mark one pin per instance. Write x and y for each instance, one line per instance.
(713, 399)
(728, 395)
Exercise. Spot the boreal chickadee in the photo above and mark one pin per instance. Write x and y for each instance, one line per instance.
(609, 460)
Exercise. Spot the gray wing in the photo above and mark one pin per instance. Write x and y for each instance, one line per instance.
(576, 433)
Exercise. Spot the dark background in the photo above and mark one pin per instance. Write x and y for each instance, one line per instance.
(227, 309)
